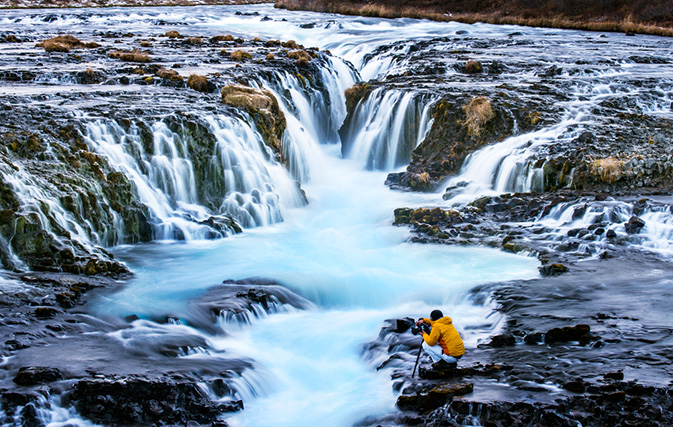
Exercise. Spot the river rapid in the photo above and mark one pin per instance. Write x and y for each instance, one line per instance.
(347, 267)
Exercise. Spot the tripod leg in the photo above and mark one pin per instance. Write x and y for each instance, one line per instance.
(420, 349)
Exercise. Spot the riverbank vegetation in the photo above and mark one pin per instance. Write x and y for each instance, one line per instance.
(633, 17)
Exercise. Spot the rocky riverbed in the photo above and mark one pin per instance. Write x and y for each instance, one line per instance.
(586, 342)
(528, 143)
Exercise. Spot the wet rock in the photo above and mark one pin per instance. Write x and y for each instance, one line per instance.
(634, 225)
(617, 376)
(46, 312)
(16, 344)
(575, 386)
(553, 269)
(29, 376)
(567, 333)
(461, 126)
(504, 340)
(534, 338)
(240, 299)
(141, 401)
(433, 398)
(403, 325)
(9, 400)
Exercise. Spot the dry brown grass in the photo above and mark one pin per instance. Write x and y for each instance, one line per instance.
(169, 74)
(145, 44)
(227, 38)
(302, 57)
(51, 46)
(478, 112)
(240, 55)
(473, 67)
(198, 83)
(608, 169)
(511, 13)
(270, 57)
(130, 56)
(247, 97)
(355, 94)
(172, 34)
(64, 44)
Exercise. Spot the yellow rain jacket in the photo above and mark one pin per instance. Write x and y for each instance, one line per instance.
(446, 334)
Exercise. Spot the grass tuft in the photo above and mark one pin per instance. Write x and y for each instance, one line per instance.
(198, 83)
(130, 56)
(65, 44)
(240, 55)
(478, 112)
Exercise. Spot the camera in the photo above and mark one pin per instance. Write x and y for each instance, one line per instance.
(417, 330)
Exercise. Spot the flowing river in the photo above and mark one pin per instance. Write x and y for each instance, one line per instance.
(339, 252)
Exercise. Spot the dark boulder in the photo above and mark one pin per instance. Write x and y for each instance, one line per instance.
(46, 312)
(145, 401)
(433, 398)
(534, 338)
(575, 386)
(567, 333)
(504, 340)
(618, 376)
(552, 269)
(634, 225)
(30, 376)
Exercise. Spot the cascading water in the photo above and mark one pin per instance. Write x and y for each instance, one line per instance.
(385, 128)
(339, 253)
(242, 180)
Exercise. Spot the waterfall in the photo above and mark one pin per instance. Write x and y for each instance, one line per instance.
(385, 128)
(238, 175)
(38, 206)
(203, 174)
(503, 167)
(314, 111)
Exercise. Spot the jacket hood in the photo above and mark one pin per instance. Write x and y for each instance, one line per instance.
(446, 320)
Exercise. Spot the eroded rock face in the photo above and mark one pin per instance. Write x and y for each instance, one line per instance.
(131, 401)
(53, 159)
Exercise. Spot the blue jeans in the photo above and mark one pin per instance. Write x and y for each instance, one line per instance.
(437, 353)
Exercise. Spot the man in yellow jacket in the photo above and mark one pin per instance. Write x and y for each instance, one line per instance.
(450, 347)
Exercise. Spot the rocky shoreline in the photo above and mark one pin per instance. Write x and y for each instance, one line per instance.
(566, 355)
(55, 354)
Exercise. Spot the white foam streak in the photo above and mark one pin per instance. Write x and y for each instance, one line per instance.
(386, 127)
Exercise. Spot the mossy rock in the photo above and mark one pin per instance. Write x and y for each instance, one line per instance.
(263, 108)
(357, 94)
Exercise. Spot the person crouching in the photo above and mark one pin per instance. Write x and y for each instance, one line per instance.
(443, 344)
